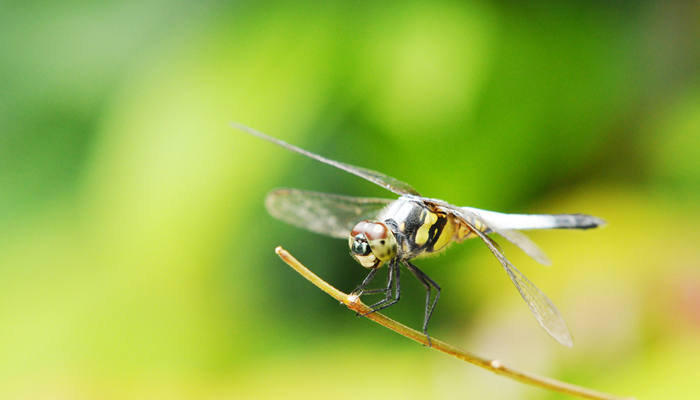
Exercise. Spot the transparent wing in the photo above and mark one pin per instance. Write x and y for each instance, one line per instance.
(542, 308)
(526, 244)
(378, 178)
(328, 214)
(479, 220)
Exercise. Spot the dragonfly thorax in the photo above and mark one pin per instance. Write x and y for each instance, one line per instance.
(372, 243)
(423, 227)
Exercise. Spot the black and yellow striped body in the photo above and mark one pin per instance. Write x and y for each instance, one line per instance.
(424, 228)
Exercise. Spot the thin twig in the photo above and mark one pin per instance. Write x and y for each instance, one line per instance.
(355, 304)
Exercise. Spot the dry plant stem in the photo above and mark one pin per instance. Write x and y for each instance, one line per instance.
(354, 303)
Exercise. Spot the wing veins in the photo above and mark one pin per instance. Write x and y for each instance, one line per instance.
(378, 178)
(325, 213)
(540, 305)
(517, 238)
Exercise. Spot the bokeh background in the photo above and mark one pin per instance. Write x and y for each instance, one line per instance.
(136, 256)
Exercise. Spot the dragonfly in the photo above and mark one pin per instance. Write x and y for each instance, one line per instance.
(393, 232)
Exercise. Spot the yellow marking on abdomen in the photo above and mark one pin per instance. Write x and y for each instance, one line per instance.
(422, 234)
(463, 231)
(445, 237)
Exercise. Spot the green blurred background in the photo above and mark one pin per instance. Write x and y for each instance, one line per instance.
(136, 257)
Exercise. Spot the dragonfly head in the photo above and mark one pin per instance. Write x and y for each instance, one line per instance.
(372, 243)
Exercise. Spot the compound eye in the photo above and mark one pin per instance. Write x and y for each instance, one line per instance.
(360, 246)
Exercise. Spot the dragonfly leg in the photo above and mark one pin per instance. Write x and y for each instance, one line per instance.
(427, 283)
(361, 288)
(386, 290)
(376, 291)
(394, 270)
